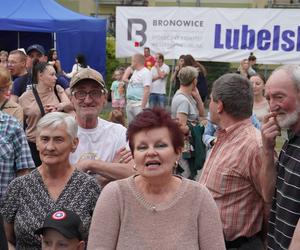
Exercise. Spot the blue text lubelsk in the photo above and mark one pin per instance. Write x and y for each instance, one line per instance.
(246, 38)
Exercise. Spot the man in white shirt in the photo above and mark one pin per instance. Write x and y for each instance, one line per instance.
(138, 88)
(102, 144)
(159, 73)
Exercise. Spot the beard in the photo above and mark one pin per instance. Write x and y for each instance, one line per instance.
(286, 120)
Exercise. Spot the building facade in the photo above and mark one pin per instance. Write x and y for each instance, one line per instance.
(107, 8)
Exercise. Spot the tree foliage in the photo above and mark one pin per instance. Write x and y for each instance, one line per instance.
(215, 70)
(111, 62)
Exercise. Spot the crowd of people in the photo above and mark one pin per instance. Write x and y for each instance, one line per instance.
(149, 177)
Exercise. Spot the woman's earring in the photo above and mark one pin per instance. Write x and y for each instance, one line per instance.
(175, 167)
(134, 167)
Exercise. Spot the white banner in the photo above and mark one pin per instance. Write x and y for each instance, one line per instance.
(210, 34)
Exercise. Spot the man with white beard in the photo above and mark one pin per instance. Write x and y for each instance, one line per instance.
(281, 178)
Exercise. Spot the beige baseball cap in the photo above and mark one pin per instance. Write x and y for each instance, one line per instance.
(88, 73)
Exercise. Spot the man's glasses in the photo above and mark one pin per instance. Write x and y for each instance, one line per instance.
(94, 94)
(12, 62)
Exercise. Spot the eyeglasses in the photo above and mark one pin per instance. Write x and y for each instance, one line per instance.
(12, 62)
(94, 94)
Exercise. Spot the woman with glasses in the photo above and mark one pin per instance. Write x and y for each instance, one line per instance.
(44, 97)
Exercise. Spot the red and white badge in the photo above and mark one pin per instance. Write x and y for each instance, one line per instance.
(59, 215)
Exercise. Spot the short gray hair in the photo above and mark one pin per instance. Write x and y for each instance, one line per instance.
(187, 74)
(235, 92)
(55, 119)
(293, 72)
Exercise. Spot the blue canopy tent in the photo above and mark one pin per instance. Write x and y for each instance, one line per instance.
(25, 22)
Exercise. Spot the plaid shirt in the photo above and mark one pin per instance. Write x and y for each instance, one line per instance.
(14, 151)
(231, 175)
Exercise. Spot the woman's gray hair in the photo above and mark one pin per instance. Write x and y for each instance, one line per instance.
(55, 119)
(187, 74)
(293, 72)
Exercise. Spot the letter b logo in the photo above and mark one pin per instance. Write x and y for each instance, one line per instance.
(141, 32)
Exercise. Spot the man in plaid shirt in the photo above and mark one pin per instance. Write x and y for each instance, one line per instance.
(15, 156)
(233, 166)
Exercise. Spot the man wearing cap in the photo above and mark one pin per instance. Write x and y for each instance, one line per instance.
(61, 227)
(36, 52)
(102, 144)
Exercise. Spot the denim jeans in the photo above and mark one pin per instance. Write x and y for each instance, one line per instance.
(158, 100)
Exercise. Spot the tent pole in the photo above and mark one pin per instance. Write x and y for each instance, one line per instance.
(18, 39)
(54, 39)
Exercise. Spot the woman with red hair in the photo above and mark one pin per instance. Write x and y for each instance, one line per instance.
(155, 209)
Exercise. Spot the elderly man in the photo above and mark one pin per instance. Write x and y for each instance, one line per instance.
(283, 176)
(231, 170)
(138, 88)
(102, 144)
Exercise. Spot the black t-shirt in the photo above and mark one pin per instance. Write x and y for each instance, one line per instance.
(20, 84)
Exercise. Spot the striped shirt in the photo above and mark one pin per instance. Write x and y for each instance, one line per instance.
(14, 151)
(231, 175)
(285, 211)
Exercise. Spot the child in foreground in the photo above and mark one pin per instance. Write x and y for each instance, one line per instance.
(61, 230)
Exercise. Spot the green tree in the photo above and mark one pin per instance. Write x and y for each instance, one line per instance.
(111, 62)
(215, 70)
